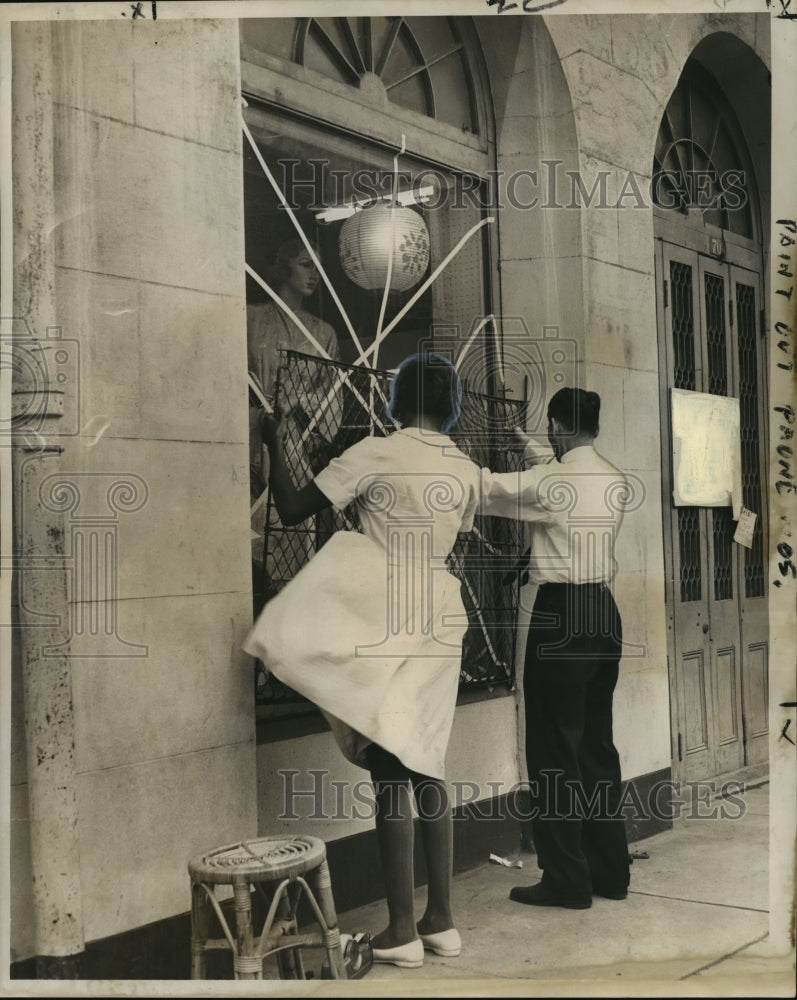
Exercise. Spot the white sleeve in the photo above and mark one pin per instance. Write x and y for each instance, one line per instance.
(514, 495)
(340, 480)
(472, 502)
(536, 453)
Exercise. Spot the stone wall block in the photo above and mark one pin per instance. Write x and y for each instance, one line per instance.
(192, 687)
(139, 204)
(582, 33)
(643, 736)
(651, 49)
(196, 62)
(617, 114)
(185, 529)
(88, 73)
(132, 869)
(621, 317)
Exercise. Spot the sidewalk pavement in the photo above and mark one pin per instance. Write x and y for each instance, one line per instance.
(695, 922)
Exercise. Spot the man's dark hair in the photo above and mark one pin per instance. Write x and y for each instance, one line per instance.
(576, 409)
(426, 383)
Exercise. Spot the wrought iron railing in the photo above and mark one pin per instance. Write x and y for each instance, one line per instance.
(343, 404)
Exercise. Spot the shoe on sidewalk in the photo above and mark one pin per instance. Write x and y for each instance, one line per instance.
(610, 893)
(405, 956)
(446, 943)
(540, 895)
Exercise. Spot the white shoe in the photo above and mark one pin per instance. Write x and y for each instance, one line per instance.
(405, 956)
(446, 943)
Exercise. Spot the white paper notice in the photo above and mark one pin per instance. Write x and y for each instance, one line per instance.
(745, 528)
(707, 458)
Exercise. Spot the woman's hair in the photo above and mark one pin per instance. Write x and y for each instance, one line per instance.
(577, 410)
(279, 270)
(427, 384)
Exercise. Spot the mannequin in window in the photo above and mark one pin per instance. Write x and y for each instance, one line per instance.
(270, 331)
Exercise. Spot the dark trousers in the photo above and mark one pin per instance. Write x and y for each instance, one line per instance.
(571, 668)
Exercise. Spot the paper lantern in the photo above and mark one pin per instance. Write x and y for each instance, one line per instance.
(364, 247)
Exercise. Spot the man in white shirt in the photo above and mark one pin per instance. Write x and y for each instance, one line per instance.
(573, 502)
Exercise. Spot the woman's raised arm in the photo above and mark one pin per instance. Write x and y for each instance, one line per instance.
(293, 505)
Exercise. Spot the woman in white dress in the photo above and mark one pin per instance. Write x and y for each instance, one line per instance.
(371, 631)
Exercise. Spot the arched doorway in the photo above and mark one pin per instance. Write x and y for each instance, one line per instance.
(709, 272)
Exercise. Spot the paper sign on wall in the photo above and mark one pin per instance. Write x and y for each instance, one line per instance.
(745, 528)
(707, 453)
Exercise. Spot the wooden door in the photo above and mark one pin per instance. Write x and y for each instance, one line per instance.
(716, 602)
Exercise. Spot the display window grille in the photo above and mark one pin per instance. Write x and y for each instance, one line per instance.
(328, 104)
(488, 560)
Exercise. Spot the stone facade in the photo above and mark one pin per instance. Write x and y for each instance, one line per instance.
(128, 235)
(138, 235)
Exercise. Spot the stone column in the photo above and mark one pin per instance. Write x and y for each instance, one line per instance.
(40, 401)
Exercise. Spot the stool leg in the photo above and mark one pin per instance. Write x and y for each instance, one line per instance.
(290, 960)
(245, 964)
(326, 904)
(199, 930)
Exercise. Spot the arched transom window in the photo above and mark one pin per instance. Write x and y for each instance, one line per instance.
(419, 63)
(701, 161)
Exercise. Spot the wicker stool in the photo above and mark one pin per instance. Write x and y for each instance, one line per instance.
(283, 861)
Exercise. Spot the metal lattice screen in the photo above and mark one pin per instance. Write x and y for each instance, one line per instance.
(722, 523)
(754, 575)
(348, 404)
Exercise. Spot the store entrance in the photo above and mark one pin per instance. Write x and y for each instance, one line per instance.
(716, 588)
